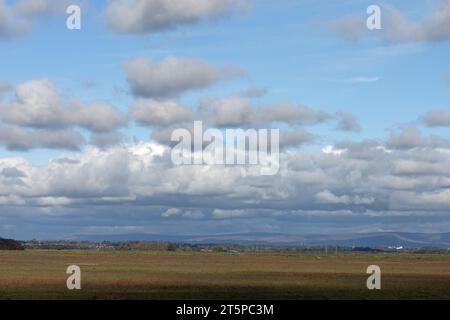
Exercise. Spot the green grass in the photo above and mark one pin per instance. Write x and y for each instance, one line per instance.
(38, 274)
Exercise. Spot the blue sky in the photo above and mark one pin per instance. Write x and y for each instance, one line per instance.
(285, 47)
(294, 50)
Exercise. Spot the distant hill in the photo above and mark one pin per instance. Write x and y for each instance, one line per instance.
(381, 239)
(8, 244)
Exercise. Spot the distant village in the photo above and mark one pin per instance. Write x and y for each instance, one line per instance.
(218, 248)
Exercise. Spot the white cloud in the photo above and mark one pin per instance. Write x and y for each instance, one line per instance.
(328, 197)
(37, 117)
(171, 212)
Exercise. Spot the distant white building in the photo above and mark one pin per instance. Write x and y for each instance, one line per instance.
(396, 248)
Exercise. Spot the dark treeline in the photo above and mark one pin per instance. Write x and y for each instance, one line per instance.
(8, 244)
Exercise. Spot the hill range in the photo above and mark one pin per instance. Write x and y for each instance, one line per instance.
(380, 239)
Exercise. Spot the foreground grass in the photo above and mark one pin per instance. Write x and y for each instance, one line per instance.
(37, 274)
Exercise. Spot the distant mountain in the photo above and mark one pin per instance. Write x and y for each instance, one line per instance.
(8, 244)
(381, 239)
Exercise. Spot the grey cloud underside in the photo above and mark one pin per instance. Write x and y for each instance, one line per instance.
(411, 137)
(173, 76)
(149, 16)
(295, 137)
(20, 139)
(159, 113)
(106, 139)
(437, 118)
(347, 122)
(5, 86)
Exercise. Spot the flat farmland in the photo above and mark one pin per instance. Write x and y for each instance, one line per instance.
(36, 274)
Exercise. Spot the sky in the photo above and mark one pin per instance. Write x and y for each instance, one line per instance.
(86, 116)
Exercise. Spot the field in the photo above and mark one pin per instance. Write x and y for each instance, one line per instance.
(39, 274)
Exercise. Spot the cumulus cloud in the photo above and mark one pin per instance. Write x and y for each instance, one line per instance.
(437, 118)
(347, 122)
(19, 17)
(233, 111)
(406, 138)
(434, 28)
(158, 113)
(172, 76)
(9, 23)
(149, 16)
(254, 92)
(241, 111)
(163, 116)
(107, 117)
(350, 27)
(38, 104)
(294, 114)
(37, 117)
(295, 137)
(33, 8)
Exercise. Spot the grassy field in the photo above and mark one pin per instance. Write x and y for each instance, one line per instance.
(39, 274)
